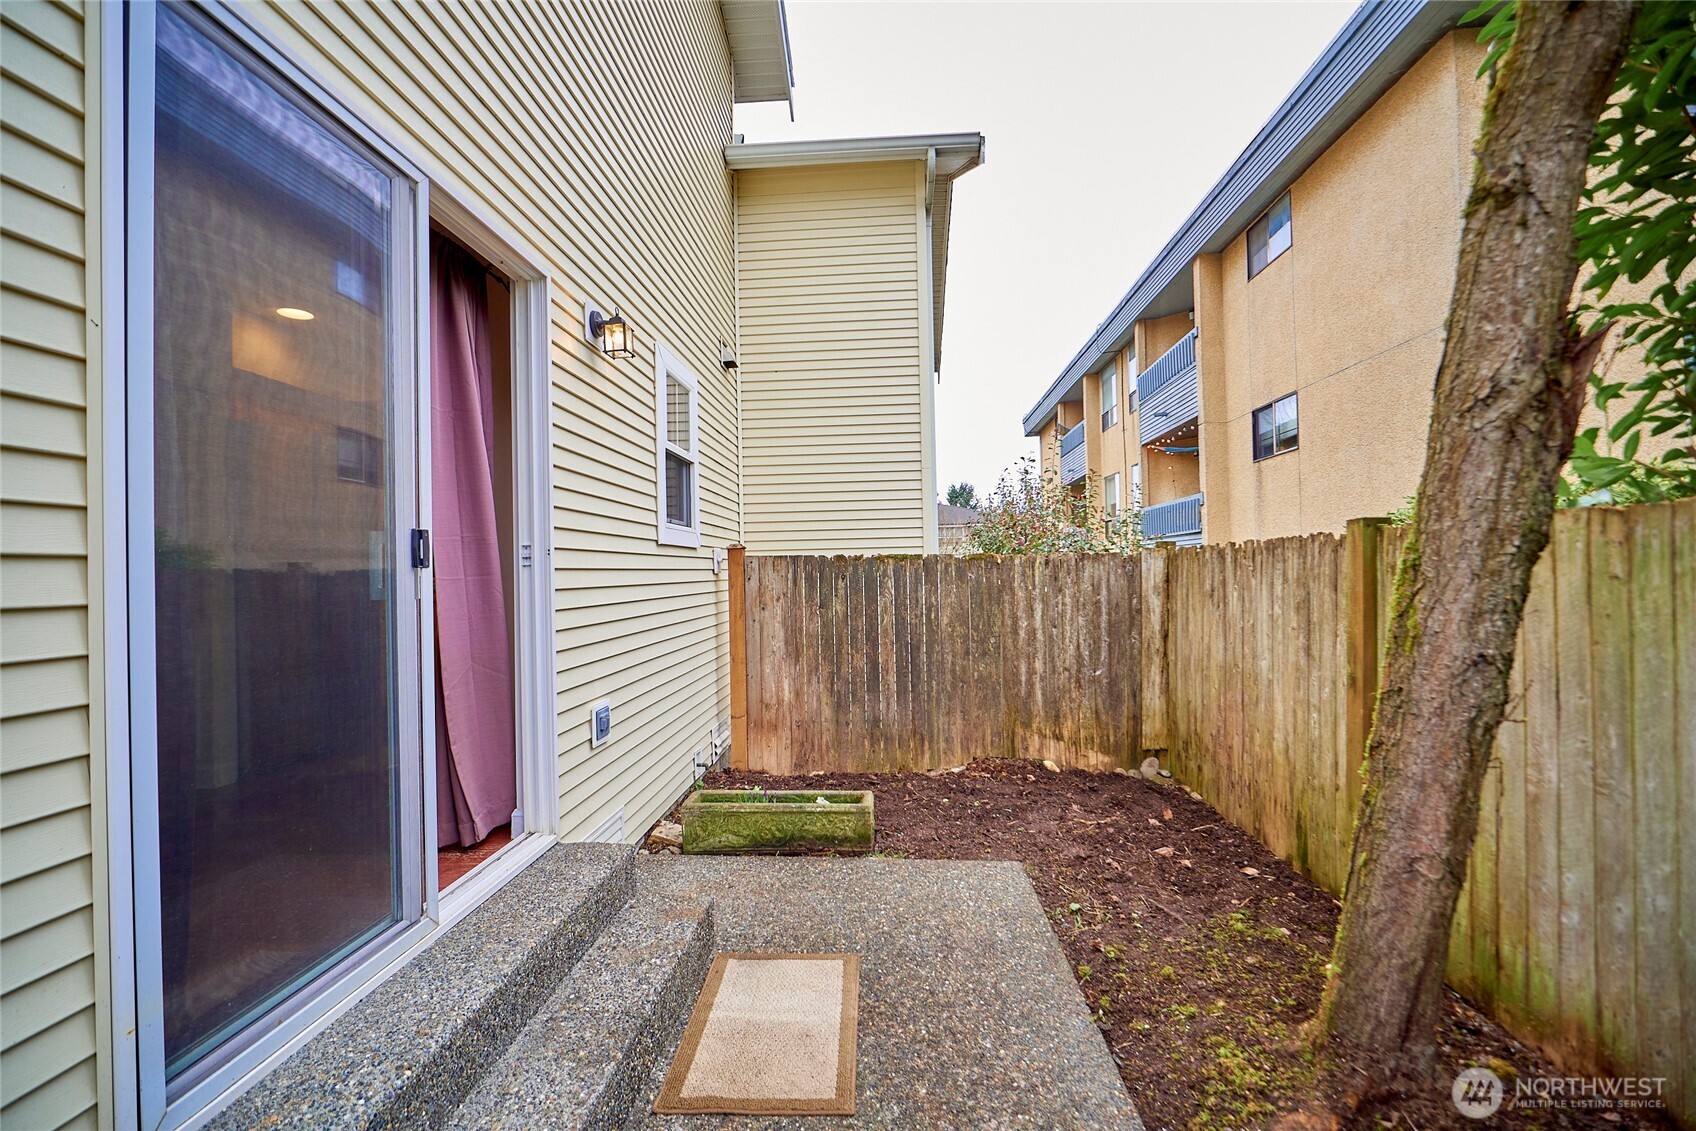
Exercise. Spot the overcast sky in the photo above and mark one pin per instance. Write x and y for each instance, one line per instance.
(1105, 125)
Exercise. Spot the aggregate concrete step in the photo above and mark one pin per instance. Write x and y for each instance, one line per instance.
(584, 1061)
(406, 1055)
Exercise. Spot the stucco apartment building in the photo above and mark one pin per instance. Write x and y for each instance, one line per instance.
(1270, 372)
(382, 386)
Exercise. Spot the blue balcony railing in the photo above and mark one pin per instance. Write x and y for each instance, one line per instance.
(1175, 521)
(1167, 366)
(1168, 393)
(1074, 462)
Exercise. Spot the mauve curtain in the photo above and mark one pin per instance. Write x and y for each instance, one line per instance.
(476, 774)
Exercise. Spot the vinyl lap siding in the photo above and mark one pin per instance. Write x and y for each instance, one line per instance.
(47, 927)
(834, 424)
(610, 164)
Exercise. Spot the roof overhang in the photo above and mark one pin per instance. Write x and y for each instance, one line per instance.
(760, 65)
(1382, 39)
(946, 157)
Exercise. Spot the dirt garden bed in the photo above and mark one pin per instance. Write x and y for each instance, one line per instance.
(1200, 952)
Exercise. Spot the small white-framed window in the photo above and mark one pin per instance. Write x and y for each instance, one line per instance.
(1109, 396)
(1136, 486)
(677, 460)
(1110, 494)
(1275, 428)
(1269, 236)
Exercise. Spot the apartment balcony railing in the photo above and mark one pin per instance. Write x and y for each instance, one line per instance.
(1168, 393)
(1074, 461)
(1175, 521)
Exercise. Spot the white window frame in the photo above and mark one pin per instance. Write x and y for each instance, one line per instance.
(667, 533)
(1112, 501)
(1271, 407)
(1286, 234)
(128, 100)
(1109, 388)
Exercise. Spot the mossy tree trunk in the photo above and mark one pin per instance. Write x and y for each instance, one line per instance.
(1509, 389)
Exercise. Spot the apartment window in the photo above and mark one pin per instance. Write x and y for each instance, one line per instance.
(1269, 236)
(1110, 495)
(676, 395)
(1275, 428)
(1131, 383)
(1109, 396)
(1136, 486)
(359, 457)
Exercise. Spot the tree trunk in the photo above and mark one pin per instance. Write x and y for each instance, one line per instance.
(1509, 389)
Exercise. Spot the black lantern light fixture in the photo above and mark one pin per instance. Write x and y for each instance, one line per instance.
(612, 333)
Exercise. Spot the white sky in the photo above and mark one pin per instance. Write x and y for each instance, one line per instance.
(1105, 124)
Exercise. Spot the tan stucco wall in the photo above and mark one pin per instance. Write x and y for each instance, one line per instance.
(1350, 317)
(1114, 449)
(1066, 414)
(1048, 449)
(1168, 476)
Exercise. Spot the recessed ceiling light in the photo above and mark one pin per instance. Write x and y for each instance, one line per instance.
(295, 313)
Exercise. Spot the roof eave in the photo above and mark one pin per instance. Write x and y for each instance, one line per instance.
(757, 32)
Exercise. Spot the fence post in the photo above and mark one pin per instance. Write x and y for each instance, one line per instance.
(1363, 541)
(738, 657)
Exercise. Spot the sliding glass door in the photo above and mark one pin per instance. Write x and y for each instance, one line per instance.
(284, 616)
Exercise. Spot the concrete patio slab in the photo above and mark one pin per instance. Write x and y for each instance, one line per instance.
(969, 1014)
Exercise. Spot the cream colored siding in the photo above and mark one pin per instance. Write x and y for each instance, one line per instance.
(835, 421)
(47, 843)
(610, 164)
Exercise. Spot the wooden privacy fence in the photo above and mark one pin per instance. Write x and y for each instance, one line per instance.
(1251, 670)
(1577, 925)
(908, 663)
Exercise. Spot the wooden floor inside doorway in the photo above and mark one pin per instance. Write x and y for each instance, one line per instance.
(453, 861)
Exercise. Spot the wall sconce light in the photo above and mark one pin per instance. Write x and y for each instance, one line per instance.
(612, 334)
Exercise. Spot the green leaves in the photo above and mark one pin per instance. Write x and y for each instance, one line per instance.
(1636, 228)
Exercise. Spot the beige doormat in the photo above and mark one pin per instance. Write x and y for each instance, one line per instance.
(772, 1034)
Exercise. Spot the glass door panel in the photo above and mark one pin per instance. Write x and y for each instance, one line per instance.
(281, 295)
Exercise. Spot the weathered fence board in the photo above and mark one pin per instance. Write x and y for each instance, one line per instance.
(890, 663)
(1577, 924)
(1252, 671)
(1260, 678)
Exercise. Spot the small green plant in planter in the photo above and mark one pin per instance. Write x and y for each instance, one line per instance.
(721, 821)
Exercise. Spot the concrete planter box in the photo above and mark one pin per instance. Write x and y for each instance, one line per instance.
(718, 821)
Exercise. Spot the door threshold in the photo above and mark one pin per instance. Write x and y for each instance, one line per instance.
(458, 901)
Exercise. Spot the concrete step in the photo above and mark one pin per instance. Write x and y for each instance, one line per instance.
(584, 1061)
(411, 1050)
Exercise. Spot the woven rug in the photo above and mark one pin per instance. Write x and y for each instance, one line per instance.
(772, 1034)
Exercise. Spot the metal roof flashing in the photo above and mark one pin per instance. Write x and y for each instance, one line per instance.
(1381, 40)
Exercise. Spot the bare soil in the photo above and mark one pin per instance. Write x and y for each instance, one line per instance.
(1201, 954)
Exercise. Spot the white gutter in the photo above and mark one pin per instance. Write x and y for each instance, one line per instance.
(955, 153)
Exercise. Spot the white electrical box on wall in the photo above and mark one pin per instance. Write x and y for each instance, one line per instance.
(600, 723)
